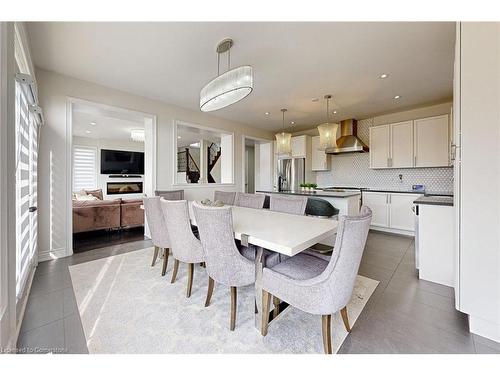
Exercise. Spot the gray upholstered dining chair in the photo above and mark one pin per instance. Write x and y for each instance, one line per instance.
(290, 204)
(224, 264)
(185, 246)
(249, 200)
(315, 285)
(158, 230)
(170, 195)
(226, 197)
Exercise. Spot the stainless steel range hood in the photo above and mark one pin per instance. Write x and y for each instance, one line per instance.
(348, 142)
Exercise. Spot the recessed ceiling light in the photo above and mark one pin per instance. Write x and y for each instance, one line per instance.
(397, 97)
(384, 75)
(87, 132)
(93, 123)
(179, 137)
(334, 112)
(292, 122)
(267, 113)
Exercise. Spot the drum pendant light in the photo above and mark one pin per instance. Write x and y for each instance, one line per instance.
(229, 87)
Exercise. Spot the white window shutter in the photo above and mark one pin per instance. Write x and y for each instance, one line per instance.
(84, 168)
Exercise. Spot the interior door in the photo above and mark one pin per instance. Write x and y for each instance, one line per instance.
(26, 187)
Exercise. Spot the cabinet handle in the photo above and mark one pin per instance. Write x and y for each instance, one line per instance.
(414, 161)
(388, 162)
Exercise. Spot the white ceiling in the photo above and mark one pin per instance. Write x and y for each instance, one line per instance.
(293, 63)
(189, 135)
(108, 125)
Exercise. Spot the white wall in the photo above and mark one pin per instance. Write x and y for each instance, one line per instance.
(54, 154)
(110, 144)
(479, 186)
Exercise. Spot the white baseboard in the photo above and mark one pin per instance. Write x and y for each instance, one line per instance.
(485, 328)
(53, 254)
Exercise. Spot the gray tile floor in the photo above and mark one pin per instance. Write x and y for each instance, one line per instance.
(404, 315)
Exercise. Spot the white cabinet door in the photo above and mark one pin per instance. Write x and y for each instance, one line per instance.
(320, 160)
(401, 145)
(299, 146)
(432, 141)
(401, 211)
(379, 146)
(378, 203)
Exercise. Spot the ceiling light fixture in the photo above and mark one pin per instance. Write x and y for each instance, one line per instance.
(397, 97)
(384, 75)
(334, 112)
(229, 87)
(283, 140)
(292, 122)
(328, 130)
(87, 132)
(93, 123)
(267, 113)
(137, 135)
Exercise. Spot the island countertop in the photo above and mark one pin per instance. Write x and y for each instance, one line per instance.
(315, 193)
(435, 200)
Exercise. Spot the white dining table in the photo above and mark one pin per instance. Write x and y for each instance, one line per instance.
(283, 233)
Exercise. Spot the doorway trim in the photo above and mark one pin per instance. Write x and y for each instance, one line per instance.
(149, 130)
(243, 157)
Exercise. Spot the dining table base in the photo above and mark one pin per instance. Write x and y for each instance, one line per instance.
(260, 262)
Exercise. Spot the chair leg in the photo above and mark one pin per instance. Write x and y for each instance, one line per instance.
(233, 308)
(174, 272)
(327, 334)
(266, 301)
(343, 312)
(165, 261)
(276, 303)
(210, 291)
(190, 279)
(155, 255)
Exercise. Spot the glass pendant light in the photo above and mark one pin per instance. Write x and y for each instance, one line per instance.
(229, 87)
(328, 130)
(284, 140)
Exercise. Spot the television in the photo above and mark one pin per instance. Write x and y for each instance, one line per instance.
(122, 162)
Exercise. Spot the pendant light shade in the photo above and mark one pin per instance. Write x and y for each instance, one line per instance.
(283, 140)
(229, 87)
(328, 130)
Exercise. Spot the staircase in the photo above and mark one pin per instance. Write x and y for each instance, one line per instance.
(213, 155)
(186, 163)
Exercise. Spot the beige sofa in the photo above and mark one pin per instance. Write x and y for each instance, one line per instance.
(90, 215)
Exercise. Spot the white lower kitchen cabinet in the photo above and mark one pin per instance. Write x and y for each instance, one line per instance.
(392, 212)
(436, 245)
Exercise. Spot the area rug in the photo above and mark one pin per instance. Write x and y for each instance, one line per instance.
(126, 306)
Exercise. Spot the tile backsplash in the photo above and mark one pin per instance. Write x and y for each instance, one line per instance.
(354, 170)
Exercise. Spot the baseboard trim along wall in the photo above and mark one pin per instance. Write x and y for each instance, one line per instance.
(53, 254)
(484, 328)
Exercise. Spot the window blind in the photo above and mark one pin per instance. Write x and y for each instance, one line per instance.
(84, 168)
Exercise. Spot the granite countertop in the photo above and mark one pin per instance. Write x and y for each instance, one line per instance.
(315, 193)
(435, 200)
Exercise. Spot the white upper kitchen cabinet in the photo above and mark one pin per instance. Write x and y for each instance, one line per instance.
(299, 146)
(401, 145)
(379, 146)
(401, 214)
(320, 160)
(379, 204)
(431, 137)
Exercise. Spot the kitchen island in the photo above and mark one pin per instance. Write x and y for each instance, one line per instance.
(347, 202)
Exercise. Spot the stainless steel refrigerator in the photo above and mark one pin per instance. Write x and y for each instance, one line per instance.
(291, 173)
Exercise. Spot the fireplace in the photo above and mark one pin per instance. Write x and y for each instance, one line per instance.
(124, 188)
